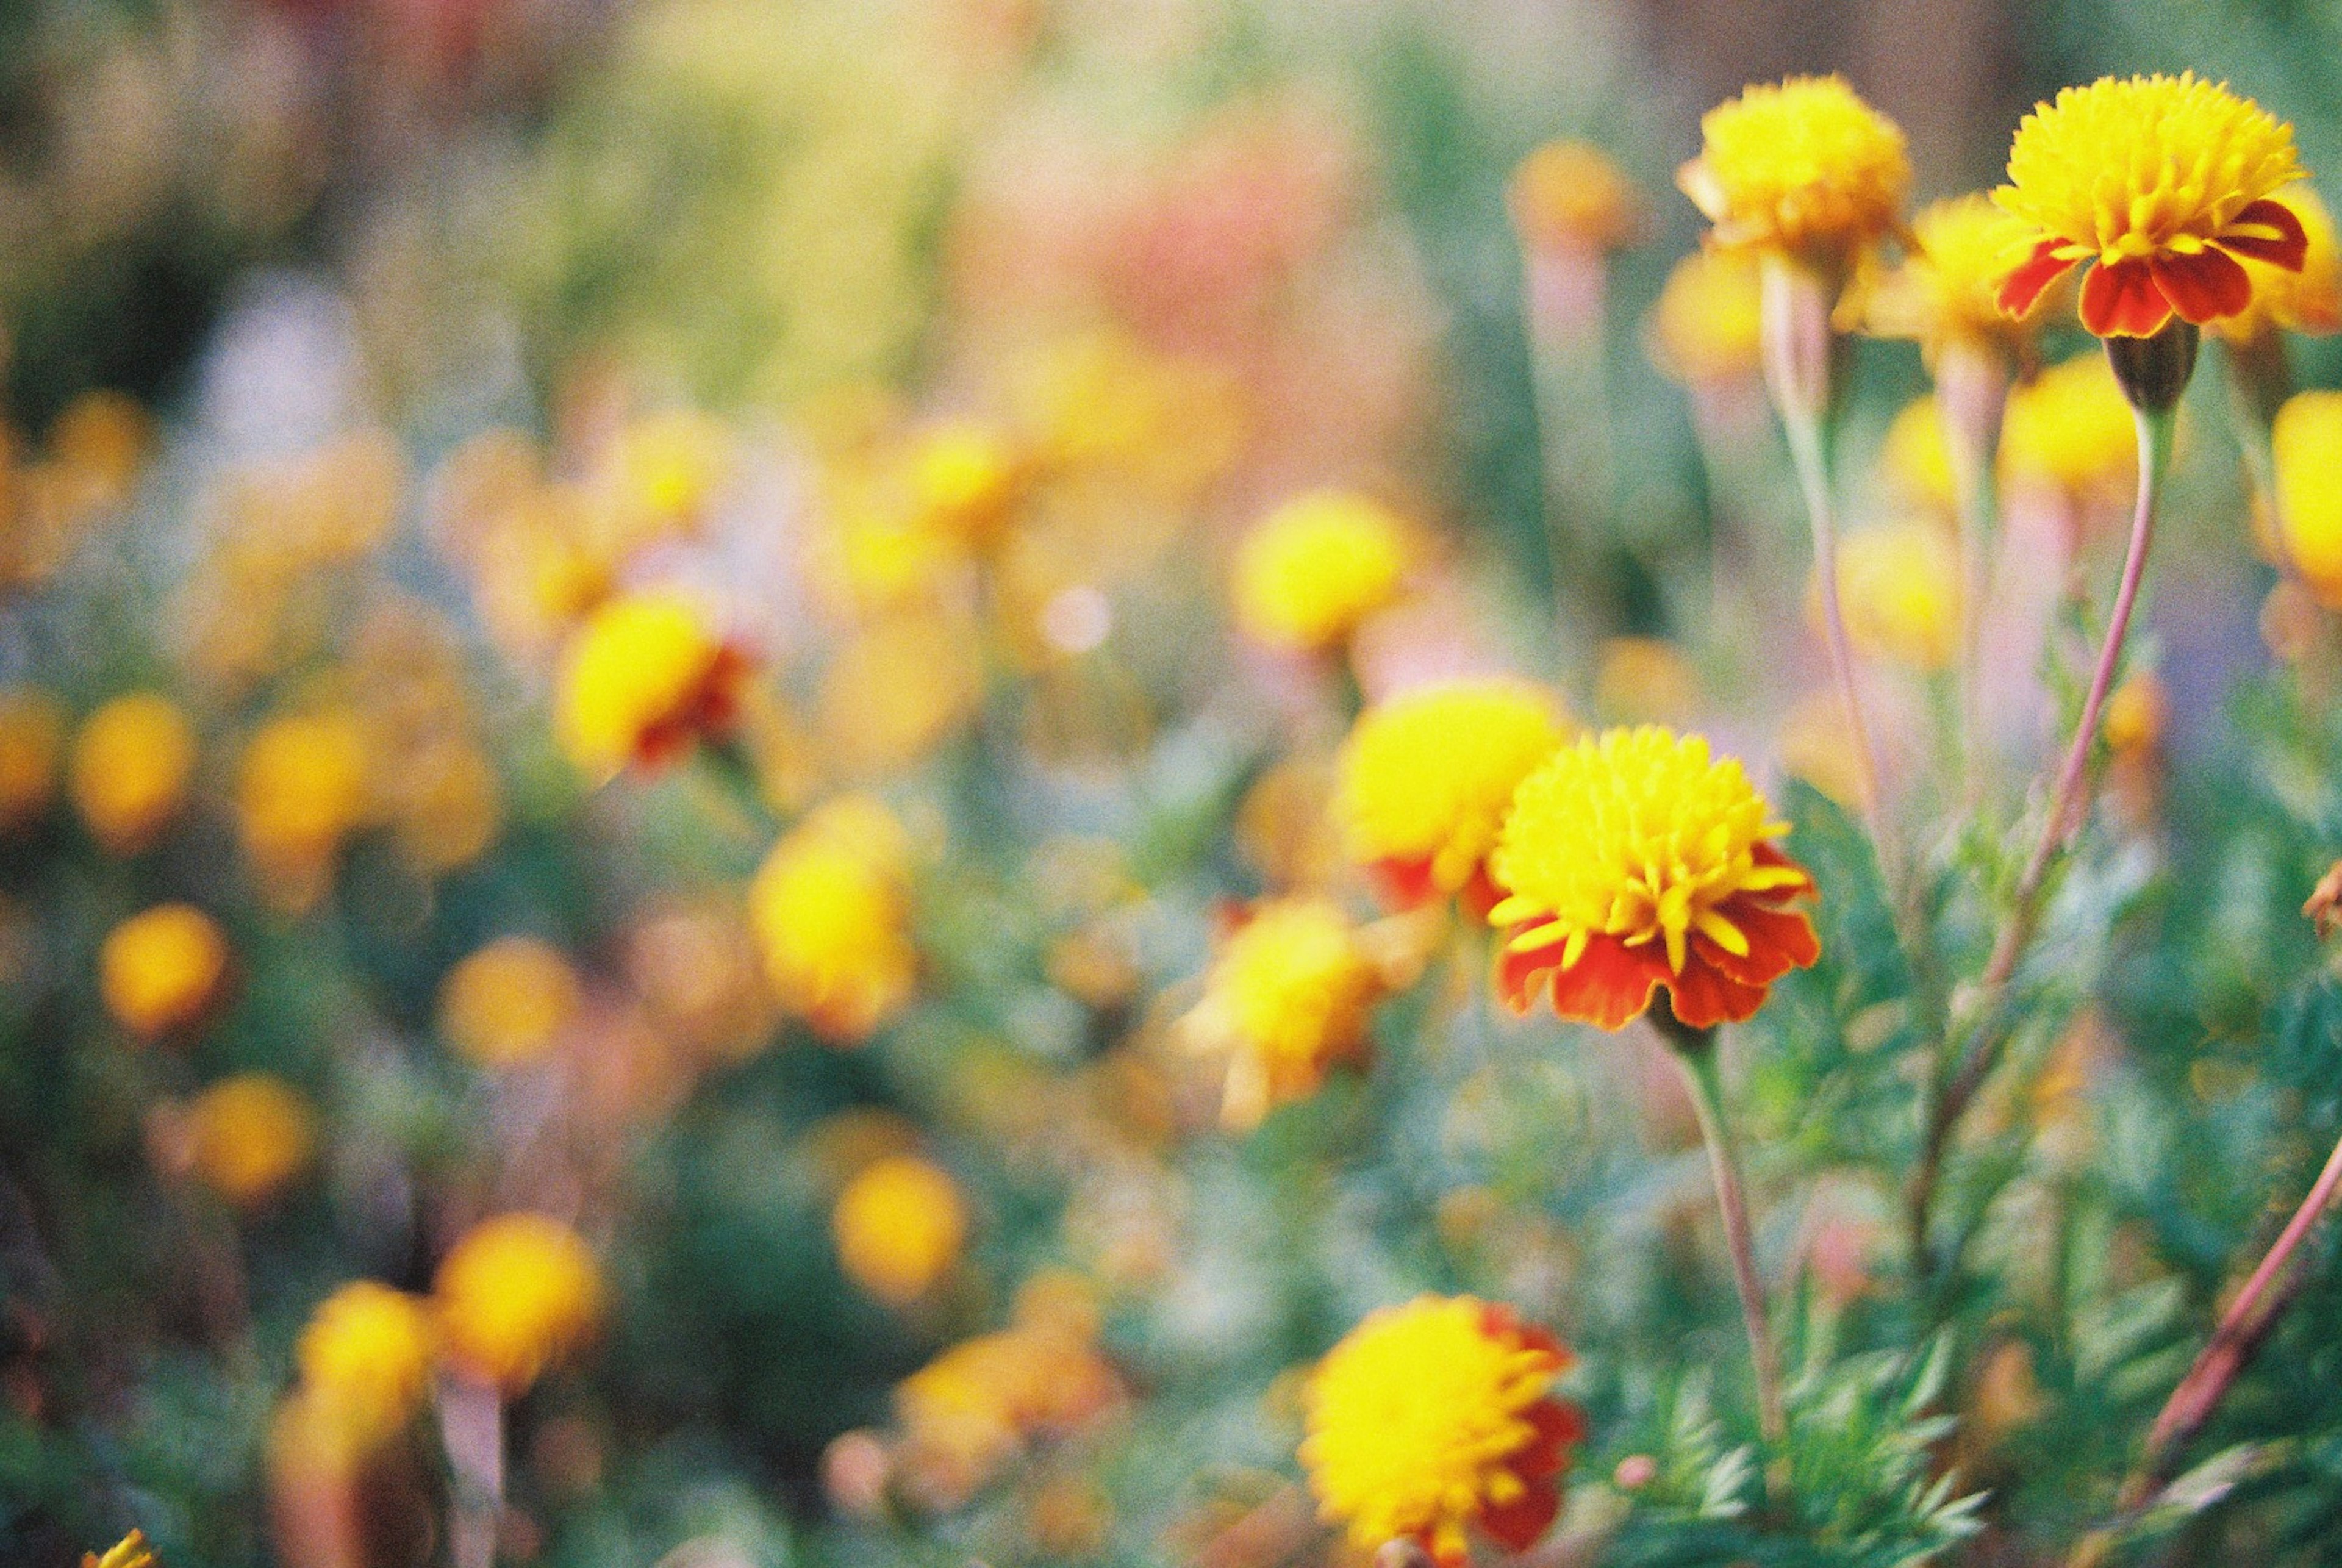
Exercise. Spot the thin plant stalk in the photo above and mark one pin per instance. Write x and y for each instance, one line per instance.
(472, 1431)
(1808, 450)
(1971, 397)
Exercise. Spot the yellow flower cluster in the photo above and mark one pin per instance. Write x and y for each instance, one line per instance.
(366, 1357)
(1899, 585)
(1707, 327)
(831, 908)
(1947, 290)
(2071, 431)
(304, 783)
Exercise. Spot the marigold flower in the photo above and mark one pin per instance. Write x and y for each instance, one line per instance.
(131, 763)
(1571, 196)
(1435, 1419)
(304, 785)
(1899, 585)
(32, 738)
(662, 471)
(1425, 778)
(1708, 327)
(645, 677)
(899, 1226)
(1287, 998)
(515, 1294)
(249, 1137)
(506, 1004)
(2307, 301)
(1805, 169)
(2307, 444)
(1915, 456)
(130, 1552)
(965, 481)
(2164, 183)
(1636, 860)
(160, 971)
(831, 910)
(1315, 567)
(367, 1355)
(2071, 429)
(1947, 289)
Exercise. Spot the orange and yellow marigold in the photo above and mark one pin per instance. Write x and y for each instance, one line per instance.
(642, 680)
(1288, 998)
(1802, 169)
(518, 1294)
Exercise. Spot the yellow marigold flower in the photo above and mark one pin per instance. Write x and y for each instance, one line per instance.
(31, 737)
(645, 677)
(131, 763)
(249, 1137)
(130, 1552)
(1917, 459)
(367, 1355)
(2072, 430)
(1636, 860)
(506, 1004)
(159, 972)
(661, 473)
(1289, 997)
(515, 1295)
(2308, 301)
(965, 481)
(1426, 775)
(2137, 713)
(1947, 289)
(305, 785)
(831, 910)
(1707, 327)
(1804, 169)
(899, 1226)
(2163, 182)
(1900, 587)
(1310, 571)
(2307, 442)
(1570, 195)
(1434, 1420)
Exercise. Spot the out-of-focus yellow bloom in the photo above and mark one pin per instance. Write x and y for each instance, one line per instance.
(1947, 290)
(367, 1354)
(31, 737)
(2135, 715)
(1638, 859)
(1900, 585)
(1707, 327)
(446, 804)
(832, 911)
(1426, 776)
(305, 785)
(1289, 996)
(1310, 571)
(1568, 196)
(130, 1552)
(899, 1226)
(131, 763)
(2072, 430)
(895, 690)
(2308, 301)
(875, 556)
(516, 1294)
(645, 677)
(249, 1137)
(1644, 679)
(102, 437)
(965, 480)
(1805, 169)
(2163, 182)
(1435, 1419)
(506, 1004)
(2307, 442)
(160, 971)
(1103, 404)
(661, 473)
(1917, 459)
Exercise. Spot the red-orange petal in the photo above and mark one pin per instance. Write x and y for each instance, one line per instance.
(2022, 287)
(1704, 997)
(2204, 286)
(1611, 984)
(2288, 249)
(1779, 940)
(2121, 299)
(1403, 884)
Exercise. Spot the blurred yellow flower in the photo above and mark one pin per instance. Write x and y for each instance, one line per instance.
(964, 479)
(1707, 327)
(130, 1552)
(2307, 442)
(2070, 429)
(660, 474)
(1805, 169)
(899, 1226)
(1426, 776)
(2137, 713)
(1644, 679)
(249, 1137)
(367, 1355)
(505, 1006)
(2308, 301)
(131, 763)
(896, 689)
(1434, 1420)
(831, 909)
(1569, 196)
(642, 679)
(32, 738)
(160, 971)
(1947, 289)
(1310, 571)
(516, 1294)
(305, 785)
(1916, 459)
(1900, 587)
(1289, 997)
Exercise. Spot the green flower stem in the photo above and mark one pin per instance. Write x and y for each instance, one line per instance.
(1971, 397)
(1695, 1051)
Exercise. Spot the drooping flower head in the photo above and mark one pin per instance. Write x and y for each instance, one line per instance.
(1804, 169)
(1425, 778)
(642, 680)
(1434, 1420)
(1287, 999)
(1315, 567)
(518, 1294)
(1636, 860)
(2164, 183)
(1947, 289)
